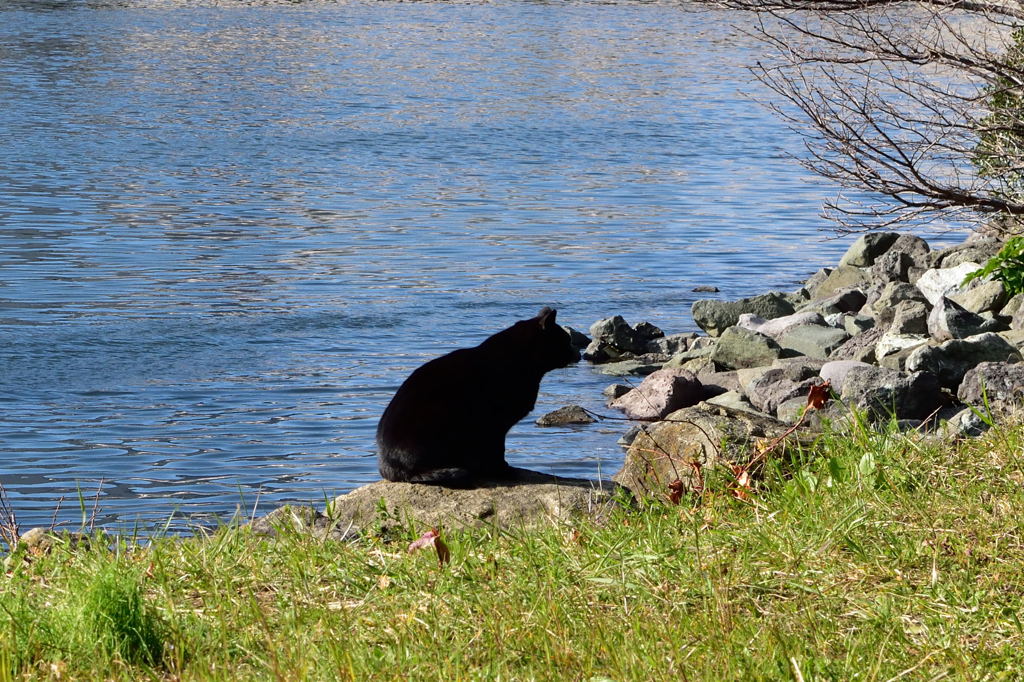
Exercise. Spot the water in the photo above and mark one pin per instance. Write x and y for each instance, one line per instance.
(228, 232)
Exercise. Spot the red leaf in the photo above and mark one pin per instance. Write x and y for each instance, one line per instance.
(742, 487)
(818, 395)
(432, 538)
(675, 493)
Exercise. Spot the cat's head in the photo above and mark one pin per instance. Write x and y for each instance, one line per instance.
(553, 346)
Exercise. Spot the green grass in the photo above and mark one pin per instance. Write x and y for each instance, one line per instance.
(872, 557)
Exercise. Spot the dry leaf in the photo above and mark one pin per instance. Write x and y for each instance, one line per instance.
(742, 487)
(818, 395)
(675, 491)
(432, 538)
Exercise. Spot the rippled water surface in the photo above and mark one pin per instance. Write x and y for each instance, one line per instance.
(228, 232)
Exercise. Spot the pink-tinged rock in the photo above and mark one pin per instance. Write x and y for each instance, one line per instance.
(661, 393)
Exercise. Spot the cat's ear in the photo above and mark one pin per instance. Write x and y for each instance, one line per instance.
(546, 317)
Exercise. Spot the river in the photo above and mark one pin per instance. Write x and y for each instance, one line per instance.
(229, 231)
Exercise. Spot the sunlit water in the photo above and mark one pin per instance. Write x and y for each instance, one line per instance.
(227, 233)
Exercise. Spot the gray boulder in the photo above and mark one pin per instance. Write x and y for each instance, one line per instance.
(529, 499)
(815, 341)
(984, 297)
(882, 303)
(780, 325)
(670, 345)
(635, 366)
(815, 280)
(836, 371)
(842, 278)
(855, 324)
(909, 317)
(739, 348)
(949, 320)
(613, 391)
(690, 442)
(867, 248)
(714, 316)
(884, 392)
(614, 336)
(894, 343)
(664, 391)
(846, 301)
(860, 347)
(302, 519)
(951, 360)
(936, 283)
(716, 383)
(972, 251)
(774, 387)
(563, 416)
(893, 266)
(999, 383)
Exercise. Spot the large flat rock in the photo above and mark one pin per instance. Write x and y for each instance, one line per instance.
(530, 499)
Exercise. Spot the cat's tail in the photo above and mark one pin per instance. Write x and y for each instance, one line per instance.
(450, 477)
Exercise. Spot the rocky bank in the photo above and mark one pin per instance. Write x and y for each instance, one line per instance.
(892, 328)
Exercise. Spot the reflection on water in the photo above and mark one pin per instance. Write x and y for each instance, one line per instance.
(227, 232)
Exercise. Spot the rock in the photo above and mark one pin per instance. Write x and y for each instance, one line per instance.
(985, 297)
(691, 440)
(670, 345)
(773, 388)
(1013, 307)
(846, 301)
(842, 278)
(948, 320)
(974, 251)
(891, 343)
(714, 317)
(304, 520)
(578, 339)
(1000, 384)
(909, 317)
(835, 372)
(705, 289)
(748, 375)
(738, 348)
(625, 368)
(664, 391)
(867, 248)
(716, 383)
(626, 439)
(613, 391)
(780, 325)
(855, 324)
(884, 393)
(530, 499)
(699, 366)
(935, 284)
(570, 414)
(915, 247)
(882, 305)
(951, 360)
(898, 359)
(734, 400)
(814, 341)
(860, 347)
(964, 423)
(790, 411)
(752, 322)
(893, 266)
(679, 359)
(615, 340)
(817, 279)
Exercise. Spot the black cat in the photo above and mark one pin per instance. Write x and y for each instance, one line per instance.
(446, 424)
